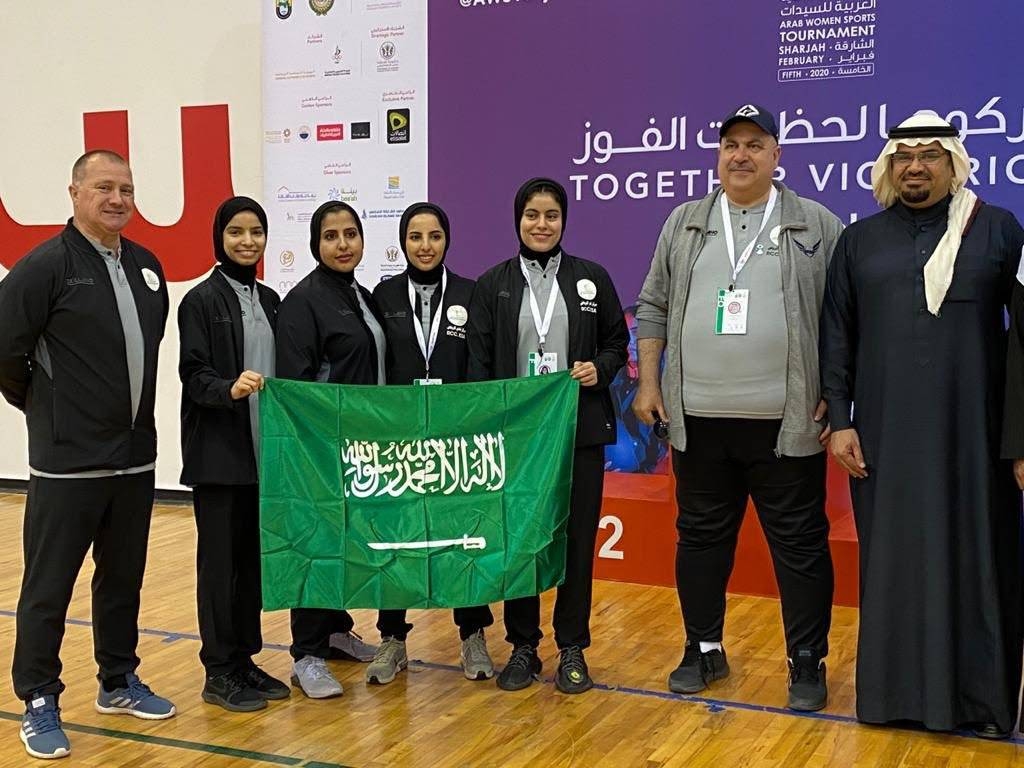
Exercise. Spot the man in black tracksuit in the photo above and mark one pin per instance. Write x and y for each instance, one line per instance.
(590, 323)
(83, 315)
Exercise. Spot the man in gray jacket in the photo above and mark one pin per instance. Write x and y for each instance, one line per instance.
(737, 281)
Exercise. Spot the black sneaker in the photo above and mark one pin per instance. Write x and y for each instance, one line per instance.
(233, 693)
(266, 686)
(697, 670)
(807, 690)
(989, 731)
(523, 668)
(572, 675)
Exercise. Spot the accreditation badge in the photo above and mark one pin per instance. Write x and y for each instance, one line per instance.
(427, 382)
(731, 311)
(540, 363)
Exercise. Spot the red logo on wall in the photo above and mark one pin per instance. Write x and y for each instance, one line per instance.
(183, 248)
(331, 132)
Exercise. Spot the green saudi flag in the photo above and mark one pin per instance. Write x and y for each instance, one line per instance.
(414, 497)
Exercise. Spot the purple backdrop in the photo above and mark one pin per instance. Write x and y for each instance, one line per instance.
(513, 84)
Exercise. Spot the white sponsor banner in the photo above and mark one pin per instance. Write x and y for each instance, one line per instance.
(344, 118)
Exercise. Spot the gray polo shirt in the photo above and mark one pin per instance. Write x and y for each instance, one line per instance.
(134, 350)
(543, 281)
(257, 348)
(425, 293)
(378, 335)
(736, 376)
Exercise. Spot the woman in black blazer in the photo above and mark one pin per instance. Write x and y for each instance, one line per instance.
(540, 312)
(226, 329)
(425, 312)
(329, 330)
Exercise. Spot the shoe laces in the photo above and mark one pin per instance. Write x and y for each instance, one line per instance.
(317, 669)
(804, 673)
(138, 690)
(522, 657)
(572, 660)
(388, 649)
(474, 648)
(45, 720)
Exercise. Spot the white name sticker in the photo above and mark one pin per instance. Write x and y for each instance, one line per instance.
(731, 311)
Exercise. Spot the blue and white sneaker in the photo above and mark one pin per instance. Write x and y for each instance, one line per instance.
(136, 700)
(41, 732)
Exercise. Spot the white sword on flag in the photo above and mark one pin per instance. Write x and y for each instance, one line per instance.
(466, 542)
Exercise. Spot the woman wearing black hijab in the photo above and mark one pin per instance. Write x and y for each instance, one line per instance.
(226, 328)
(328, 330)
(425, 312)
(540, 312)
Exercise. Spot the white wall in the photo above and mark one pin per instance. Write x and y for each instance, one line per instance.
(60, 60)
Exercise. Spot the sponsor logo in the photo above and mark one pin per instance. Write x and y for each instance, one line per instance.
(394, 182)
(457, 315)
(283, 8)
(321, 7)
(359, 130)
(338, 57)
(285, 195)
(287, 259)
(303, 132)
(73, 281)
(152, 281)
(330, 132)
(398, 126)
(387, 56)
(394, 189)
(391, 253)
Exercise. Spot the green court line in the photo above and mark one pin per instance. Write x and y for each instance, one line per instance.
(195, 746)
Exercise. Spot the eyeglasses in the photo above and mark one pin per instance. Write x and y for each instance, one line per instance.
(929, 158)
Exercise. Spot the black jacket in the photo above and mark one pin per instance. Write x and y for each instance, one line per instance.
(216, 439)
(321, 334)
(597, 333)
(79, 412)
(405, 360)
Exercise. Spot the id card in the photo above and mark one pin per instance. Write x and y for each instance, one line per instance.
(427, 382)
(540, 364)
(731, 311)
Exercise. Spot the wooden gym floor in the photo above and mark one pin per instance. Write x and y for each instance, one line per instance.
(432, 716)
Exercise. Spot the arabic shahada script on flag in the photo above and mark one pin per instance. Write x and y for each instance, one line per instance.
(414, 497)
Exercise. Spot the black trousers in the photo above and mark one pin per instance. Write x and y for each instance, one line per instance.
(392, 623)
(63, 517)
(312, 629)
(228, 590)
(572, 603)
(727, 460)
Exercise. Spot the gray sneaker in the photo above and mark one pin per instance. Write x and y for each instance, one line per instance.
(476, 661)
(314, 679)
(389, 660)
(349, 645)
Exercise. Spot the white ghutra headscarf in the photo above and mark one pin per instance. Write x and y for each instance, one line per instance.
(923, 128)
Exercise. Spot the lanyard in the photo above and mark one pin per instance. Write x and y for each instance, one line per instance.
(427, 346)
(730, 244)
(542, 326)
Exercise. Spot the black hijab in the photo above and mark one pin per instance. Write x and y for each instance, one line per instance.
(431, 276)
(316, 224)
(225, 213)
(530, 188)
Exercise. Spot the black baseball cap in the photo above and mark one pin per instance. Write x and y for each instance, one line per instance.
(752, 113)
